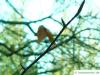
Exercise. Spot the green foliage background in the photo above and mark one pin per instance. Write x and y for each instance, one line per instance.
(76, 49)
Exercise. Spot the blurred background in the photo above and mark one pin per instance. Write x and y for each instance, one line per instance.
(77, 48)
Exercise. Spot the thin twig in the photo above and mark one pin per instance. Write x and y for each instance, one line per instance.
(31, 29)
(14, 9)
(48, 49)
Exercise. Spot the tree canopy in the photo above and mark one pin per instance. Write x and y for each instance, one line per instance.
(48, 37)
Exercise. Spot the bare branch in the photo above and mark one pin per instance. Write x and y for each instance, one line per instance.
(23, 22)
(14, 9)
(48, 49)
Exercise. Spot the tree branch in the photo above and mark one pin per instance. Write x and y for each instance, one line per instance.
(4, 45)
(23, 22)
(14, 9)
(48, 49)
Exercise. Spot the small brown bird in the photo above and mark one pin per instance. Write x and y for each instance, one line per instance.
(44, 32)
